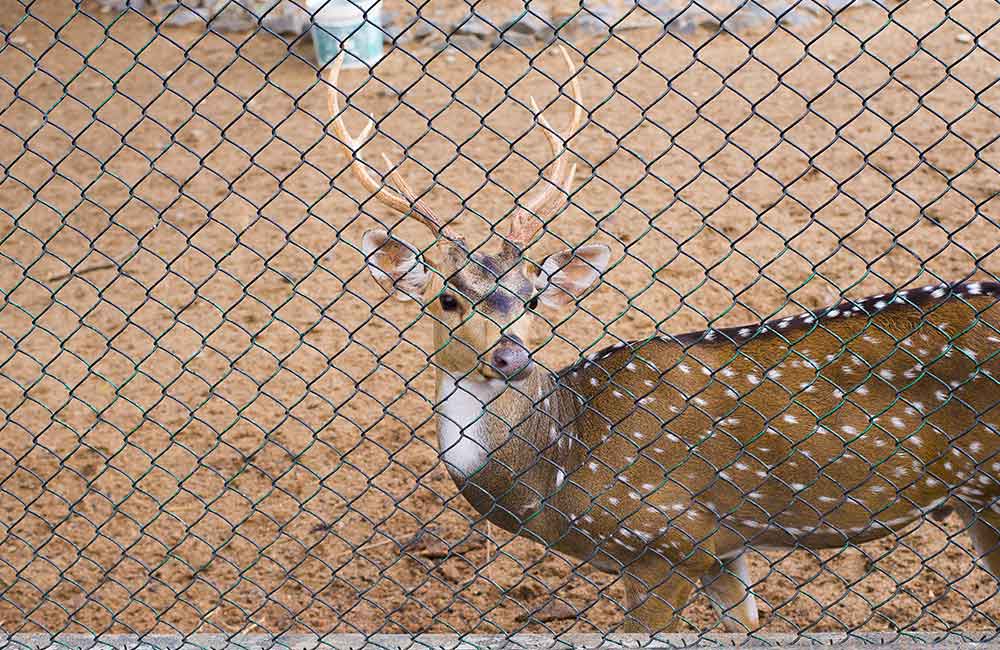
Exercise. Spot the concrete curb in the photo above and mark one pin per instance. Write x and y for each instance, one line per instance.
(887, 640)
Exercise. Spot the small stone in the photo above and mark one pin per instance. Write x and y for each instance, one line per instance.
(589, 24)
(606, 12)
(798, 17)
(682, 25)
(519, 40)
(390, 32)
(964, 38)
(466, 43)
(477, 27)
(535, 21)
(663, 9)
(527, 589)
(182, 16)
(428, 543)
(122, 5)
(746, 18)
(554, 610)
(453, 572)
(233, 19)
(287, 18)
(422, 30)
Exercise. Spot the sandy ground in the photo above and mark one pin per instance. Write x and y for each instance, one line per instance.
(228, 429)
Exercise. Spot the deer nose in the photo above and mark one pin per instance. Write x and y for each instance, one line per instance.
(511, 359)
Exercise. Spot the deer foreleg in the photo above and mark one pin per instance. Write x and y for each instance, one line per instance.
(728, 588)
(656, 607)
(984, 529)
(657, 591)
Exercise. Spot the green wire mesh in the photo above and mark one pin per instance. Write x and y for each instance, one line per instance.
(215, 422)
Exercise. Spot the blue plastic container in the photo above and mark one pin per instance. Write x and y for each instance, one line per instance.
(353, 26)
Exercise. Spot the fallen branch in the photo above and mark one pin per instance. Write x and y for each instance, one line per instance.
(364, 547)
(489, 553)
(103, 266)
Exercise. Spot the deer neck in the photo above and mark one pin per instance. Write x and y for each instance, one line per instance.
(508, 446)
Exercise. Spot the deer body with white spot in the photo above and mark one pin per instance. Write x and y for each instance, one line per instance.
(668, 460)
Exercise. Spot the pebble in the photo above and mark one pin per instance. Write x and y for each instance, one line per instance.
(475, 26)
(536, 21)
(555, 610)
(183, 16)
(422, 30)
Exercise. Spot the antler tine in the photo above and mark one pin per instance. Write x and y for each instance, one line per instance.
(555, 145)
(407, 204)
(526, 221)
(399, 184)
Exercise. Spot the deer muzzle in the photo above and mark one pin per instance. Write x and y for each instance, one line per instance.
(510, 359)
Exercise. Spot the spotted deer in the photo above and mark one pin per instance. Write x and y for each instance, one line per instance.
(665, 459)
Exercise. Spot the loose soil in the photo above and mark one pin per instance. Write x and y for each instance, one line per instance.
(215, 422)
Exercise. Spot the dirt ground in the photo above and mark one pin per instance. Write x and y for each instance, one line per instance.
(215, 423)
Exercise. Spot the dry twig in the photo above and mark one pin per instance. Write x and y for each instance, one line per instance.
(103, 266)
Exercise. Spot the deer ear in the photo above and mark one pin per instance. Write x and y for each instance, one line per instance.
(566, 276)
(395, 265)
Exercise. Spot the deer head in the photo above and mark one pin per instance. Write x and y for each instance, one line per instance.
(484, 306)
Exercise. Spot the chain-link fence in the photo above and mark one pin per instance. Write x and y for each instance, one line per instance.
(215, 421)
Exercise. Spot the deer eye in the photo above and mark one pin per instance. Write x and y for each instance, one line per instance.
(448, 302)
(533, 304)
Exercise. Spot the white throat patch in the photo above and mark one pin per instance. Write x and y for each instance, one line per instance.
(462, 413)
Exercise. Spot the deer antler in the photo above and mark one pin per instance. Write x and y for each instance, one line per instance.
(527, 220)
(401, 197)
